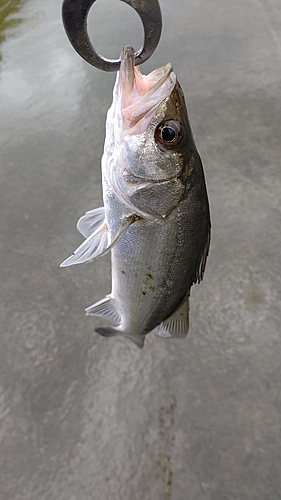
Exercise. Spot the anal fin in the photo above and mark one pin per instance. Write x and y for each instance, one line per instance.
(104, 308)
(176, 325)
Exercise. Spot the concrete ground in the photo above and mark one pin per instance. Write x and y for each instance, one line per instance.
(88, 418)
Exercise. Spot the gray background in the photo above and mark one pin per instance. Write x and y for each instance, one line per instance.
(88, 418)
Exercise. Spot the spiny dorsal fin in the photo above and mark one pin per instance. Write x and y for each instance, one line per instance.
(201, 263)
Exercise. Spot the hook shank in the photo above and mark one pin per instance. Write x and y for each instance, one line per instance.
(75, 13)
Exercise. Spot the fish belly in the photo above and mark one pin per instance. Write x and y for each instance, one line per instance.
(153, 264)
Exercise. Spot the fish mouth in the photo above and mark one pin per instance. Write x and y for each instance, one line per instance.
(141, 94)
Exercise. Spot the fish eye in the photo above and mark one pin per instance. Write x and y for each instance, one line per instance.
(168, 134)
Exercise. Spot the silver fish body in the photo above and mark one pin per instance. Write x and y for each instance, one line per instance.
(156, 218)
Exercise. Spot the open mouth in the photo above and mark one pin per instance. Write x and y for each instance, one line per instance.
(141, 94)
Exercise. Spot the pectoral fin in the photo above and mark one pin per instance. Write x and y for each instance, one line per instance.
(91, 221)
(94, 246)
(98, 244)
(176, 325)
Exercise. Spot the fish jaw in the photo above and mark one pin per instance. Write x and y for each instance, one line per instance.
(140, 94)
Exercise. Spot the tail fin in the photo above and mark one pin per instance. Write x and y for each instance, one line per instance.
(111, 331)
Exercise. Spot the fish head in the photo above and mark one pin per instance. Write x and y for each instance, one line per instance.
(150, 131)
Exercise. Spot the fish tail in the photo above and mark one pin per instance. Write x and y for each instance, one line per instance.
(112, 331)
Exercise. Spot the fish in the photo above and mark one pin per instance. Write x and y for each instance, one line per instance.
(155, 219)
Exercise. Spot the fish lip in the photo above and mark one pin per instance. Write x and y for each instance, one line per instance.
(140, 93)
(127, 68)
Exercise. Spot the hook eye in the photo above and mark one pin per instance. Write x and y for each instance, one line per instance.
(74, 15)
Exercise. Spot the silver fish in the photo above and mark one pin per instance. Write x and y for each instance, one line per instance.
(155, 218)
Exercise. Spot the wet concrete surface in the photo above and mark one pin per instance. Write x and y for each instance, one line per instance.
(88, 418)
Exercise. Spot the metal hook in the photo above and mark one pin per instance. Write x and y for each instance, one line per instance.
(74, 15)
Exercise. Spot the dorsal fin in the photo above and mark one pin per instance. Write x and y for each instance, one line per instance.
(176, 325)
(202, 259)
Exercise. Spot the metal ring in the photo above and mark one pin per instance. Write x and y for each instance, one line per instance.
(74, 15)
